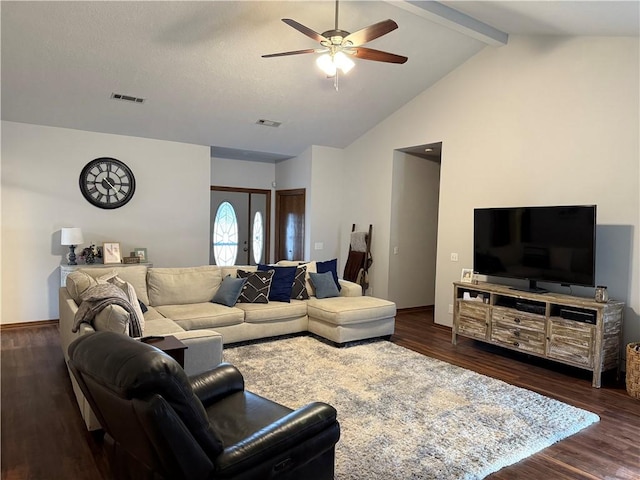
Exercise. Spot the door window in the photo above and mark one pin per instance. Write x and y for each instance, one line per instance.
(257, 237)
(225, 235)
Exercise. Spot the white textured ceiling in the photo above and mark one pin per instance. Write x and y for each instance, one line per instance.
(199, 65)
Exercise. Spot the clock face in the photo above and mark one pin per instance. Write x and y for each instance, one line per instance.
(107, 183)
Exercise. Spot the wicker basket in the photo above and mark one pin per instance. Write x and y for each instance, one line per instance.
(633, 370)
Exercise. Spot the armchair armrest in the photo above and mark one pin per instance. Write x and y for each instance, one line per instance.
(292, 430)
(215, 384)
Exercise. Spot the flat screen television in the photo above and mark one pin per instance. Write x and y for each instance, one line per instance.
(540, 244)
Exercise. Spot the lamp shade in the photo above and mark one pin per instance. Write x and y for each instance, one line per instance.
(71, 236)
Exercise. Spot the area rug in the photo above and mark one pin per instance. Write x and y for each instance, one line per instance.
(404, 415)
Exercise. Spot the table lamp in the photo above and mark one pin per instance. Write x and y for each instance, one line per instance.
(71, 237)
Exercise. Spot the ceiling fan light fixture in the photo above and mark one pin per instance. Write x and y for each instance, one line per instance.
(329, 63)
(325, 63)
(343, 62)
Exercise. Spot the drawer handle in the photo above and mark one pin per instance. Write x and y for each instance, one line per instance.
(517, 333)
(516, 344)
(517, 320)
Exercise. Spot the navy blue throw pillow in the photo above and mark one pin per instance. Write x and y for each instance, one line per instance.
(282, 282)
(329, 266)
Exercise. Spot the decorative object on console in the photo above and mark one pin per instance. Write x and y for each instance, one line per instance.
(107, 183)
(467, 275)
(71, 237)
(602, 295)
(111, 252)
(141, 253)
(90, 253)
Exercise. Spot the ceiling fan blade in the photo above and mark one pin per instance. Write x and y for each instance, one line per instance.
(294, 52)
(378, 55)
(371, 32)
(305, 30)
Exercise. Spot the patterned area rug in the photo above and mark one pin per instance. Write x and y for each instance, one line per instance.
(404, 415)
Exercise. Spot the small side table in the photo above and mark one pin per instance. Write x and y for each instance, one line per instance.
(171, 346)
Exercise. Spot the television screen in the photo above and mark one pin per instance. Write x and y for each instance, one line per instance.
(547, 244)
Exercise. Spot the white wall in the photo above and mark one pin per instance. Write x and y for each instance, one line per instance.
(541, 121)
(414, 231)
(242, 173)
(296, 173)
(325, 207)
(169, 213)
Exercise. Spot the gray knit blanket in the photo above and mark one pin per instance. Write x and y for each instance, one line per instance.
(98, 297)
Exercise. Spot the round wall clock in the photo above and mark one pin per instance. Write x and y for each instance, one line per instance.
(107, 183)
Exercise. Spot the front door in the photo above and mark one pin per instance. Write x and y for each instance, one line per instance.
(239, 227)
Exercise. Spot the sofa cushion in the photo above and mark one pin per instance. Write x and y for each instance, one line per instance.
(282, 282)
(229, 291)
(77, 283)
(161, 326)
(202, 315)
(256, 288)
(272, 311)
(324, 285)
(183, 286)
(350, 310)
(136, 275)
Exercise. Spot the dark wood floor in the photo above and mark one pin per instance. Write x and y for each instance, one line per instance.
(43, 436)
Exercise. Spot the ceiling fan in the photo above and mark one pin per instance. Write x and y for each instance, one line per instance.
(339, 45)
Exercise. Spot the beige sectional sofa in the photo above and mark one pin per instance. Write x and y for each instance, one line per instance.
(178, 302)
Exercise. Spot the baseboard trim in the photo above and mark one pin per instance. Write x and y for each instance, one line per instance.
(37, 323)
(416, 309)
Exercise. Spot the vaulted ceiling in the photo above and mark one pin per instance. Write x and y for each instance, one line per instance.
(198, 65)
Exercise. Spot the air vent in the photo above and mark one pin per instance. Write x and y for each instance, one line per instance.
(127, 98)
(268, 123)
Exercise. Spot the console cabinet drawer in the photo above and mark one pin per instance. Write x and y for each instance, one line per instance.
(513, 318)
(519, 338)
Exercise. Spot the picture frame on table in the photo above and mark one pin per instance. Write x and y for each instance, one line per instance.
(467, 275)
(141, 253)
(111, 253)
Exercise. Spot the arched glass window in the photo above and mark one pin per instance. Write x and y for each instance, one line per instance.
(225, 235)
(257, 239)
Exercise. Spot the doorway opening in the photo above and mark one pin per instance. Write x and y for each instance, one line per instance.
(414, 225)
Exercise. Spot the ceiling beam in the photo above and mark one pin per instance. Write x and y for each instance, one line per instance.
(455, 20)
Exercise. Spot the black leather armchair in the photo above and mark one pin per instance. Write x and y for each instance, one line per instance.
(161, 424)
